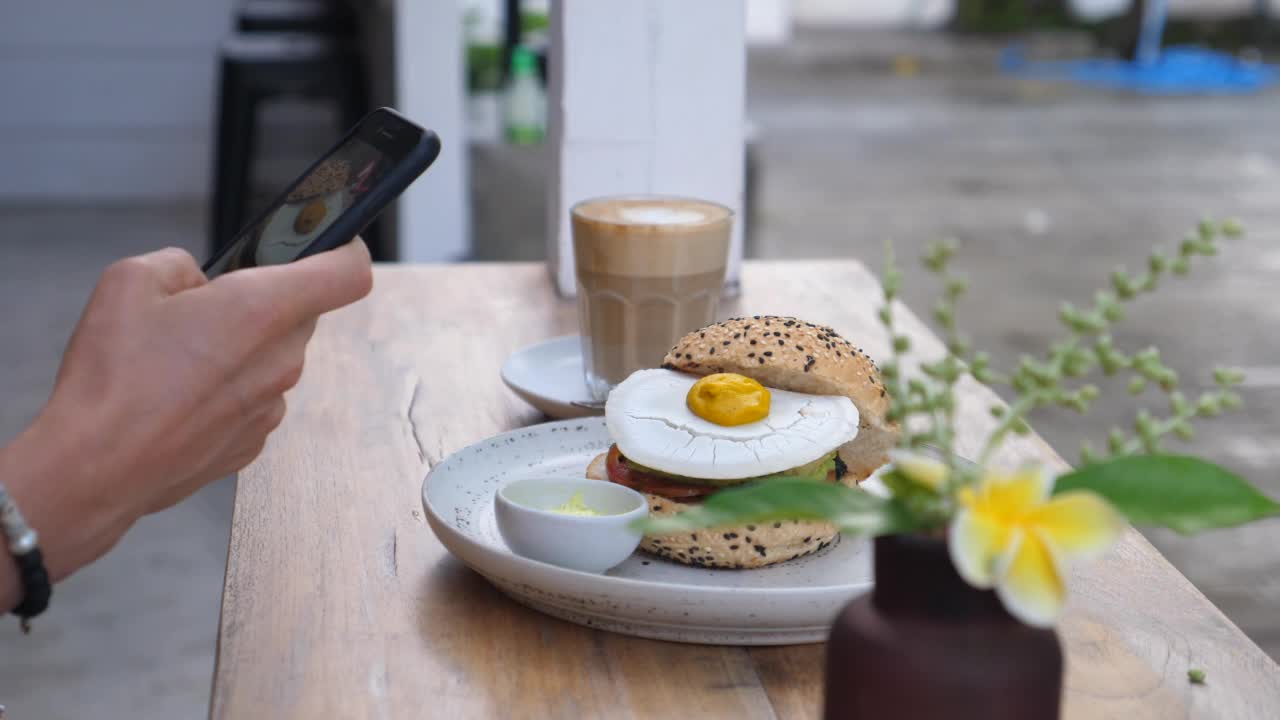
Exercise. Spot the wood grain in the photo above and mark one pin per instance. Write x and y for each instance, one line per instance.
(339, 601)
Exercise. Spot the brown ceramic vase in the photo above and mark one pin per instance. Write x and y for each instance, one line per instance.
(926, 644)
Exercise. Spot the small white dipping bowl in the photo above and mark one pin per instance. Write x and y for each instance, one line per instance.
(531, 528)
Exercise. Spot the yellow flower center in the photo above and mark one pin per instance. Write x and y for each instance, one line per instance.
(728, 399)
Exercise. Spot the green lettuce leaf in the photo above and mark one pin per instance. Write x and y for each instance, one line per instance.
(817, 470)
(854, 511)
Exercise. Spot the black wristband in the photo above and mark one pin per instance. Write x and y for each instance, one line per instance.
(37, 590)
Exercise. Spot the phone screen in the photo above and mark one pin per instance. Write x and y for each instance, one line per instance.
(310, 206)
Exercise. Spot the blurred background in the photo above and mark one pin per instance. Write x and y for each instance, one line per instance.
(1051, 138)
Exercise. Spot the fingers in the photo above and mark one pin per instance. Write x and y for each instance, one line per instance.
(244, 448)
(271, 371)
(251, 439)
(170, 270)
(284, 296)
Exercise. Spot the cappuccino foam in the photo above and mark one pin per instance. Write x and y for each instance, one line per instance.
(650, 236)
(661, 215)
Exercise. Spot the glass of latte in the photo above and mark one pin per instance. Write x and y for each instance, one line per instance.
(650, 269)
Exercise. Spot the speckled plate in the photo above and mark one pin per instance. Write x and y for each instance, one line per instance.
(789, 603)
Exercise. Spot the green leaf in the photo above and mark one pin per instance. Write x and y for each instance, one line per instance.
(1185, 494)
(854, 511)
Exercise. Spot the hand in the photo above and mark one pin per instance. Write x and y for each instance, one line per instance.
(169, 382)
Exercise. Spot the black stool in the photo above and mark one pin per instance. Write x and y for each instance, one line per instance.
(310, 16)
(261, 66)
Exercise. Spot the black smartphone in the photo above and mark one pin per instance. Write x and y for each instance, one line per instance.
(337, 197)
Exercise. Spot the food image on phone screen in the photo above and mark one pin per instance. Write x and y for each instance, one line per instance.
(307, 210)
(335, 198)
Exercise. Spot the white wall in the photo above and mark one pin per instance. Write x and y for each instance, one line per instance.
(433, 220)
(107, 100)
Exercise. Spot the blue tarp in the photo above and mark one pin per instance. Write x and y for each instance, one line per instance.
(1174, 71)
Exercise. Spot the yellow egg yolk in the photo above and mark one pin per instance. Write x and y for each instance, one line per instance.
(728, 399)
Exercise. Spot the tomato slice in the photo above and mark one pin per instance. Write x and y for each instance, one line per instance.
(624, 474)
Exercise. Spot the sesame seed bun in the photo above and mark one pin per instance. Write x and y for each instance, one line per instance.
(740, 547)
(790, 354)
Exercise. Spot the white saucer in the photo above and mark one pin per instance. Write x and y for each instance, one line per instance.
(549, 377)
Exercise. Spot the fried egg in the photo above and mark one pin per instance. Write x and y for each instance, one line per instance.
(650, 421)
(281, 241)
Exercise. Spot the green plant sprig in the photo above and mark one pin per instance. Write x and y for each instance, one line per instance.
(932, 395)
(1046, 381)
(1088, 346)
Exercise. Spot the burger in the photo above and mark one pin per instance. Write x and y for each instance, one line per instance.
(745, 401)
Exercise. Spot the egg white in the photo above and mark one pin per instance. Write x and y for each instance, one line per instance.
(651, 423)
(281, 243)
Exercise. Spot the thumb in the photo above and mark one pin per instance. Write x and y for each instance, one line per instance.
(302, 290)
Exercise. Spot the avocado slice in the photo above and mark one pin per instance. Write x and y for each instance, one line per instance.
(819, 469)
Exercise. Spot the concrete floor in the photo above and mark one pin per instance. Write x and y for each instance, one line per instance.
(1047, 188)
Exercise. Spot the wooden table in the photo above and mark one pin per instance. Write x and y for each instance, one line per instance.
(340, 603)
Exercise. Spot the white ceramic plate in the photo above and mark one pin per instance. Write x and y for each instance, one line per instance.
(790, 603)
(549, 377)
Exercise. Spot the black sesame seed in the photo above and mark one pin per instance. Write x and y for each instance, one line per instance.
(761, 361)
(777, 525)
(760, 549)
(777, 334)
(768, 353)
(800, 348)
(694, 537)
(782, 343)
(882, 393)
(733, 547)
(751, 355)
(756, 317)
(687, 356)
(712, 351)
(725, 343)
(702, 335)
(735, 336)
(786, 335)
(808, 540)
(753, 342)
(656, 508)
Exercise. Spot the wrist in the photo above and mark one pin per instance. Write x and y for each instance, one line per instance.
(47, 474)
